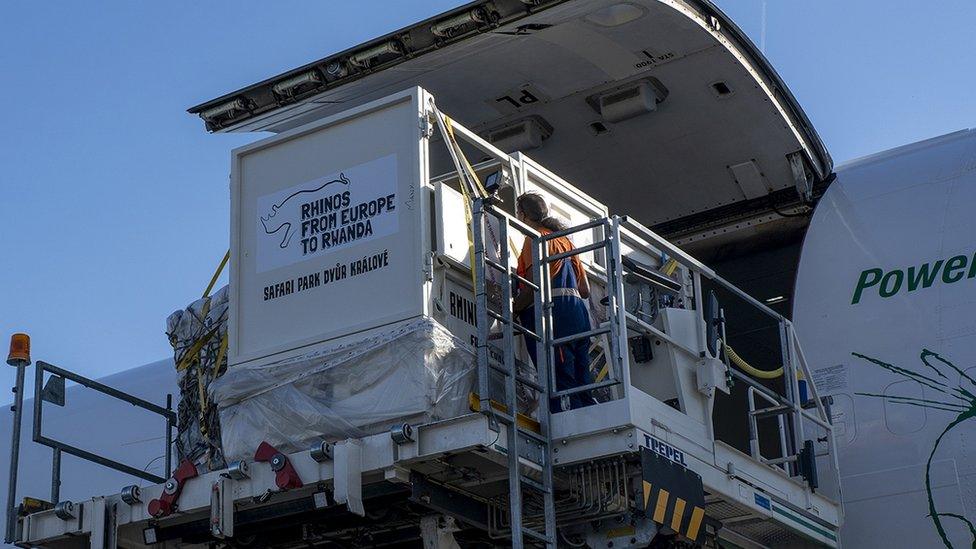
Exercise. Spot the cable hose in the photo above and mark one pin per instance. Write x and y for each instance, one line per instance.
(748, 368)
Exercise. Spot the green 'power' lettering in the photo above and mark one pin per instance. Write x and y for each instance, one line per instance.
(868, 278)
(926, 275)
(889, 283)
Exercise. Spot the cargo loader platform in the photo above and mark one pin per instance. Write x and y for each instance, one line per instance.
(643, 465)
(455, 468)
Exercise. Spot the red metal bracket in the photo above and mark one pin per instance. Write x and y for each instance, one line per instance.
(166, 504)
(286, 476)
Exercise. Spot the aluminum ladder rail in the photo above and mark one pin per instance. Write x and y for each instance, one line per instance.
(614, 327)
(517, 435)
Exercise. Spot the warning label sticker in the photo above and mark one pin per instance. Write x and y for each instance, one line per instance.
(832, 379)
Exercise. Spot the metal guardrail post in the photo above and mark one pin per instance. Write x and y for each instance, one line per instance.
(543, 313)
(789, 378)
(18, 406)
(477, 260)
(508, 331)
(619, 322)
(169, 437)
(56, 476)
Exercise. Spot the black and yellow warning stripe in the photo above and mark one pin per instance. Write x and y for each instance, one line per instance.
(673, 511)
(673, 495)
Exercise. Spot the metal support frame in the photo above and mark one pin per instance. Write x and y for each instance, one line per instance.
(615, 327)
(60, 447)
(56, 475)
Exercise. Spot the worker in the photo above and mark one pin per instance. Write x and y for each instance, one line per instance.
(569, 313)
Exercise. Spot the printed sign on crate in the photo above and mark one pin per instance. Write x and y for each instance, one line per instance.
(329, 213)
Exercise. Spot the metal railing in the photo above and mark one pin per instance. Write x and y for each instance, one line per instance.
(44, 392)
(793, 360)
(60, 447)
(616, 231)
(615, 327)
(167, 413)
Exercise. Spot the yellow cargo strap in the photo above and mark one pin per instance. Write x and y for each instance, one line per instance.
(194, 349)
(221, 353)
(512, 245)
(216, 275)
(191, 353)
(469, 221)
(464, 182)
(605, 370)
(479, 188)
(202, 388)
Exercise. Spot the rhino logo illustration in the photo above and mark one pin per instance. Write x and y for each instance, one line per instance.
(271, 227)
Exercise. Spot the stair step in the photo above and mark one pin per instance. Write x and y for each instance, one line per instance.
(537, 535)
(534, 484)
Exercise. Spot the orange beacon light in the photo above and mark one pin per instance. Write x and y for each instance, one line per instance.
(19, 349)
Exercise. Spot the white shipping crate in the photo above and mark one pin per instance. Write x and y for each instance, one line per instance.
(339, 228)
(327, 228)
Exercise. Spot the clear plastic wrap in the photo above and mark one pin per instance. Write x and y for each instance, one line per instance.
(416, 372)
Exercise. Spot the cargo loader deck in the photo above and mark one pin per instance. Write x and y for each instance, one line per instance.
(446, 469)
(642, 465)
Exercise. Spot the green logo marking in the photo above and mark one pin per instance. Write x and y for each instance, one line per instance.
(949, 271)
(957, 399)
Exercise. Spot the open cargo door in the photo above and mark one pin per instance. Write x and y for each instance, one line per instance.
(628, 100)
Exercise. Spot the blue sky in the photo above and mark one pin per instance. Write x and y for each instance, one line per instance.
(115, 201)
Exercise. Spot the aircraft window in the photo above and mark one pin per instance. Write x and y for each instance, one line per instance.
(902, 419)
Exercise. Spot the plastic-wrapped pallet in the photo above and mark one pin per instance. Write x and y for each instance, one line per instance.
(199, 338)
(416, 372)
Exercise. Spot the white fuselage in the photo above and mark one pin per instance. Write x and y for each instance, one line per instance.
(885, 305)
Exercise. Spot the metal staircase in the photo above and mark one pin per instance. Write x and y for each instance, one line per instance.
(529, 443)
(523, 442)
